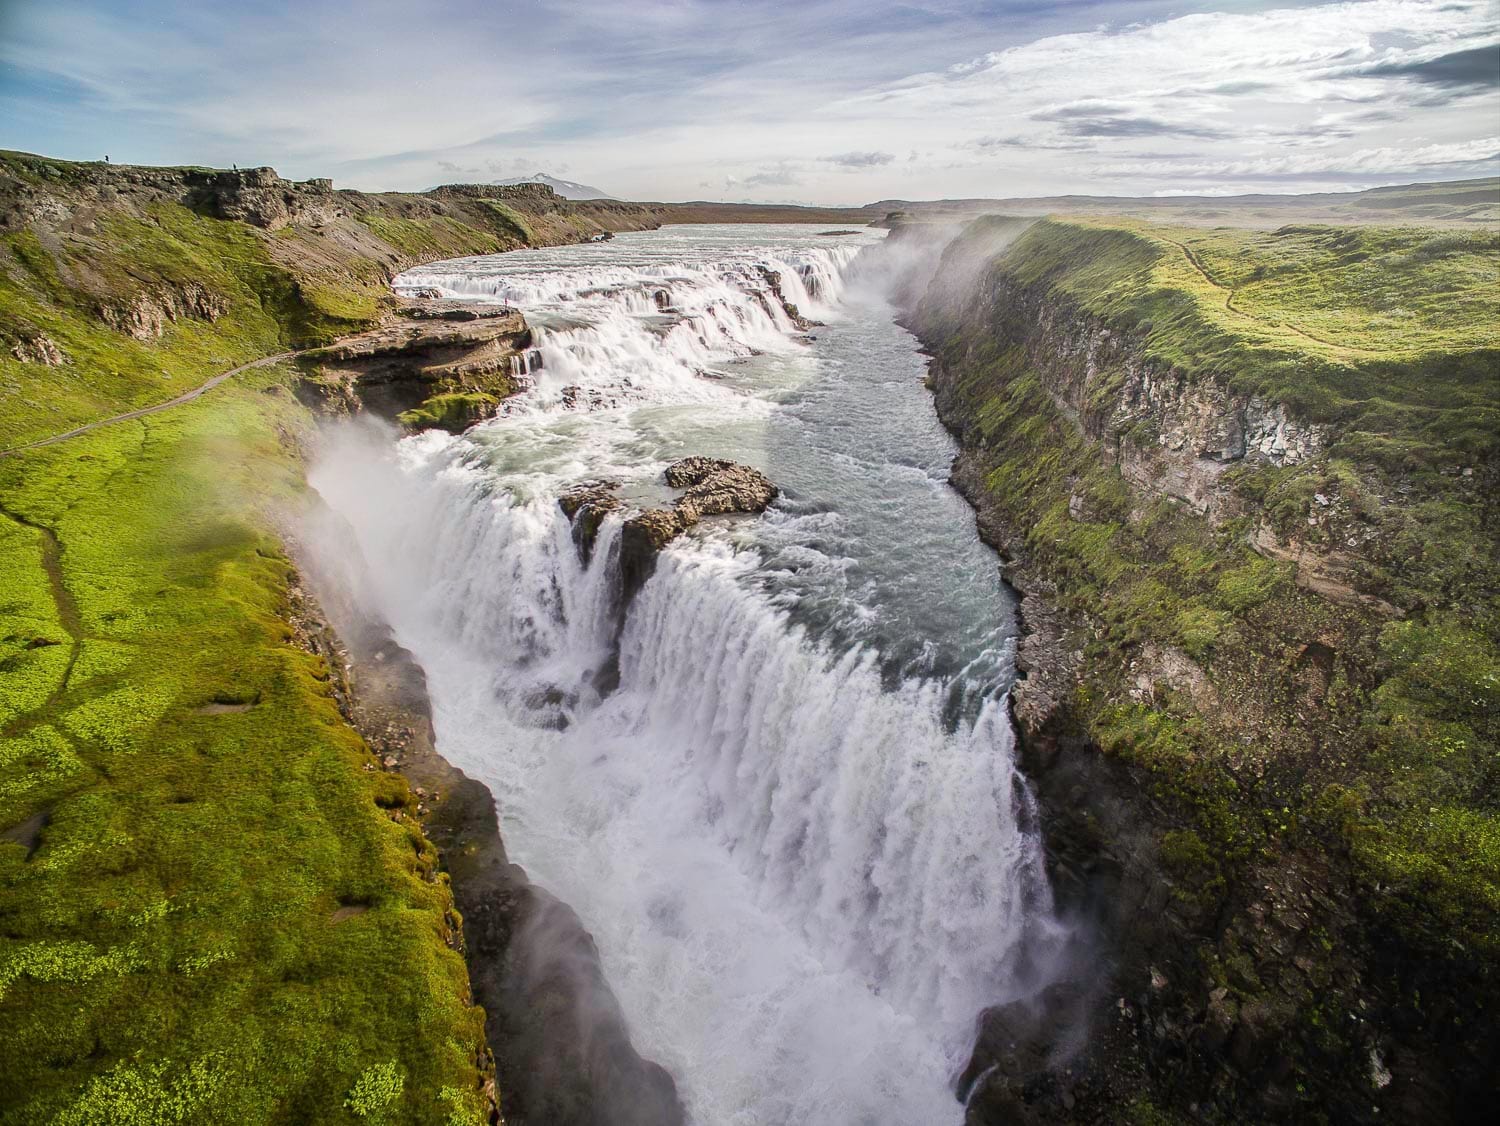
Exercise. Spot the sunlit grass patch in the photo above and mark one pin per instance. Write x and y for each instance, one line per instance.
(167, 930)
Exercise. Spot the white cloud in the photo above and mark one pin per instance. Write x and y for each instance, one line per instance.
(661, 99)
(861, 159)
(1366, 162)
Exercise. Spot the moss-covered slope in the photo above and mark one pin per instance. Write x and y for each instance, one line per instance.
(214, 904)
(213, 909)
(1255, 475)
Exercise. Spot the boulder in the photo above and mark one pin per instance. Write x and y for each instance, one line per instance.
(715, 487)
(586, 506)
(641, 541)
(711, 487)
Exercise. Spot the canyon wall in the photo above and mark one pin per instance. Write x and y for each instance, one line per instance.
(1219, 703)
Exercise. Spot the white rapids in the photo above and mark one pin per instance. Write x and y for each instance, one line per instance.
(794, 827)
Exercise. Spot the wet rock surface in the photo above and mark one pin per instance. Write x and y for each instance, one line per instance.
(711, 487)
(714, 487)
(774, 291)
(432, 306)
(586, 506)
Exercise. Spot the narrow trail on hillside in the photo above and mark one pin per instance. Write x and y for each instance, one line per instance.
(1229, 296)
(185, 397)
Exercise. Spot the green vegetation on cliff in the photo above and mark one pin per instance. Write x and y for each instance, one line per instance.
(121, 287)
(210, 912)
(213, 905)
(1305, 678)
(1390, 334)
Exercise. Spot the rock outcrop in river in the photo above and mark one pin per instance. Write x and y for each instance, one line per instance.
(711, 487)
(436, 363)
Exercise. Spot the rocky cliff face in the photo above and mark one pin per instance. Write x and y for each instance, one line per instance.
(1168, 434)
(262, 198)
(1243, 971)
(445, 364)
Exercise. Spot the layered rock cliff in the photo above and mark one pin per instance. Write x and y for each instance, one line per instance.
(435, 363)
(1219, 700)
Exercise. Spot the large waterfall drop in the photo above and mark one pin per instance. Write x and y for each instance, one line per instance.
(794, 826)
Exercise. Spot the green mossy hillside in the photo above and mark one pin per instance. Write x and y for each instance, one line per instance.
(122, 286)
(454, 411)
(1279, 731)
(212, 908)
(201, 294)
(213, 905)
(1389, 334)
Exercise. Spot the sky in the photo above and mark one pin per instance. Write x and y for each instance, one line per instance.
(817, 101)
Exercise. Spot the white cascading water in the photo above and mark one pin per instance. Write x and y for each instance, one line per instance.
(806, 876)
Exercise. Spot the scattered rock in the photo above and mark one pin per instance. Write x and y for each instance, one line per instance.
(38, 349)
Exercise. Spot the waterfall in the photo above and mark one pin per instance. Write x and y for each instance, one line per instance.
(646, 331)
(805, 879)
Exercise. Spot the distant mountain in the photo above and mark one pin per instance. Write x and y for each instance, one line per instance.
(565, 188)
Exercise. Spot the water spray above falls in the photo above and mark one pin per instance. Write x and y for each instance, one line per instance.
(805, 869)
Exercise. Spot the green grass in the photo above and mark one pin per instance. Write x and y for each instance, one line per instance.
(168, 943)
(148, 262)
(168, 953)
(441, 237)
(510, 220)
(452, 411)
(1388, 333)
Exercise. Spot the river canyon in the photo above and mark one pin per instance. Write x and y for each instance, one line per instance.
(777, 783)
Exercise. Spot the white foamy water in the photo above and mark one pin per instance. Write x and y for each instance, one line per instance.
(794, 827)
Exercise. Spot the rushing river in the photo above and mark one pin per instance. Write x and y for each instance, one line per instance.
(795, 828)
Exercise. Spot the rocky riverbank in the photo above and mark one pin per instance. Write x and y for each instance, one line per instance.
(434, 363)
